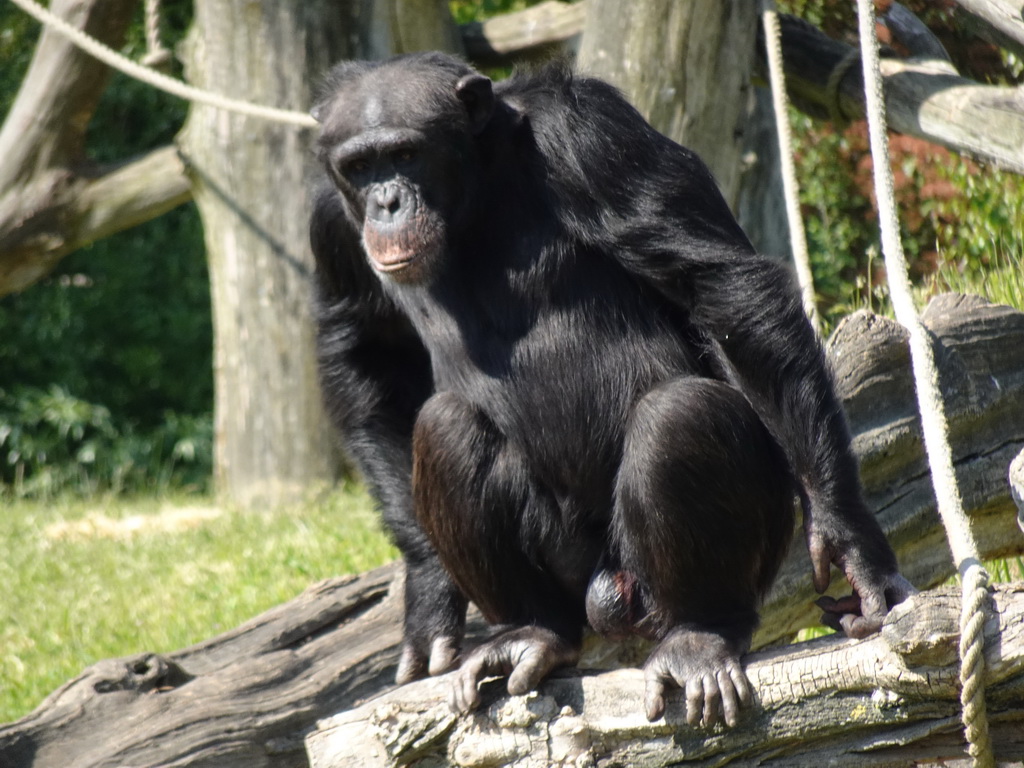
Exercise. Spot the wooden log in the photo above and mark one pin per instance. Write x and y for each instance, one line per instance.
(889, 700)
(927, 99)
(537, 32)
(1003, 21)
(248, 697)
(244, 698)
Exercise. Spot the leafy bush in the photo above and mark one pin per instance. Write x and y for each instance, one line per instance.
(51, 440)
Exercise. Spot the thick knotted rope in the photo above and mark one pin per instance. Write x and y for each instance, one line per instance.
(933, 417)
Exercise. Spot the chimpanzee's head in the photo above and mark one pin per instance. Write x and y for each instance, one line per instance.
(397, 141)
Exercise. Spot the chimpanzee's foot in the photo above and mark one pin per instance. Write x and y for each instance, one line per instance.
(417, 662)
(525, 654)
(707, 667)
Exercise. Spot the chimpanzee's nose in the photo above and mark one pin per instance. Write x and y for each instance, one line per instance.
(388, 199)
(387, 203)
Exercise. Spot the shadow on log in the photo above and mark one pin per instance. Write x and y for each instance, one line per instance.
(249, 697)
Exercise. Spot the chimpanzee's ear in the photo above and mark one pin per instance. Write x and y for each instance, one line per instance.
(474, 91)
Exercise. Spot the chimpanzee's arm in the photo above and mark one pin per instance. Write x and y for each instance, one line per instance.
(375, 375)
(749, 312)
(656, 207)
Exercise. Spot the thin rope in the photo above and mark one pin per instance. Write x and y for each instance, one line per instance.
(156, 54)
(791, 191)
(156, 79)
(933, 416)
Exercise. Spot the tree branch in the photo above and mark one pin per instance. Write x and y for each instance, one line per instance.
(45, 128)
(535, 33)
(53, 199)
(58, 211)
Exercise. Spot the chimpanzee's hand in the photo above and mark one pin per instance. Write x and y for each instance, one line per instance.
(525, 654)
(419, 660)
(877, 584)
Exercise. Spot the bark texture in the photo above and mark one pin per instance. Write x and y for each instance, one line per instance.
(685, 66)
(247, 698)
(272, 440)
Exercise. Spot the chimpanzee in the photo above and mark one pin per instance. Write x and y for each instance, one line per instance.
(575, 390)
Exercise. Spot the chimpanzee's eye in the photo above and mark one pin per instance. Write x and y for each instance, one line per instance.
(406, 155)
(358, 166)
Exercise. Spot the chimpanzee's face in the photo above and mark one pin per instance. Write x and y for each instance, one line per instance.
(397, 143)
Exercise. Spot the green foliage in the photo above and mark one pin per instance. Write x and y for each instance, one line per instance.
(51, 440)
(954, 216)
(1001, 282)
(116, 345)
(18, 33)
(464, 11)
(85, 581)
(834, 209)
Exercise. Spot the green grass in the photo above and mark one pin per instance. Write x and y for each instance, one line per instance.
(1002, 282)
(84, 580)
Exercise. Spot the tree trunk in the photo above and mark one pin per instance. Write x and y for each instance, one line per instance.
(247, 698)
(272, 439)
(685, 65)
(271, 436)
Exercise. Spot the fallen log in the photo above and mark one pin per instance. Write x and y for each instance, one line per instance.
(892, 699)
(249, 697)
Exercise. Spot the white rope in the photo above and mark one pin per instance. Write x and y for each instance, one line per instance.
(158, 80)
(156, 54)
(791, 192)
(933, 416)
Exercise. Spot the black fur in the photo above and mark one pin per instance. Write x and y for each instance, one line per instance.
(572, 385)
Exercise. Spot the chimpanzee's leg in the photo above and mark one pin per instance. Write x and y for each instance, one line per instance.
(490, 522)
(703, 513)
